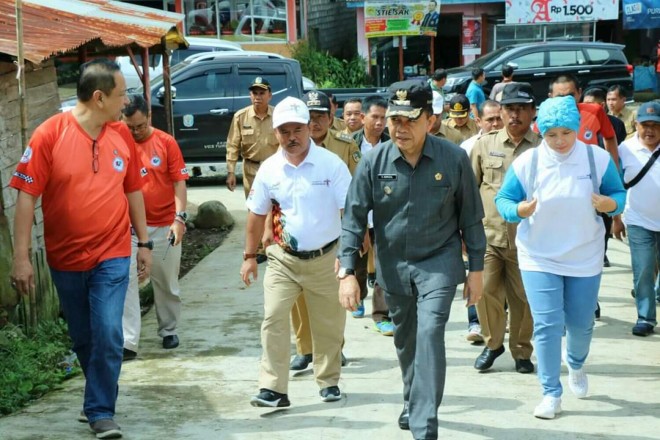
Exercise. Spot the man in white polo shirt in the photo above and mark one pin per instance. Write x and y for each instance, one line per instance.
(304, 188)
(641, 176)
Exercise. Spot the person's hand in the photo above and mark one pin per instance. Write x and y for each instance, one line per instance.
(474, 287)
(349, 293)
(618, 228)
(231, 181)
(249, 267)
(22, 275)
(603, 203)
(143, 263)
(526, 209)
(178, 229)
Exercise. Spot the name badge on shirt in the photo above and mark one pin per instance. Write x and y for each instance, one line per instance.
(496, 154)
(248, 131)
(387, 177)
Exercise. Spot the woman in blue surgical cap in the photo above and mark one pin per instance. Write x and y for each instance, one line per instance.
(555, 192)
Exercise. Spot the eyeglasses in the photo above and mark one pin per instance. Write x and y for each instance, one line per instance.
(95, 156)
(137, 128)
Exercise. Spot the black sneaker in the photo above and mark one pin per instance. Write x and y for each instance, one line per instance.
(642, 329)
(129, 355)
(270, 399)
(597, 312)
(170, 342)
(300, 362)
(330, 394)
(524, 366)
(106, 428)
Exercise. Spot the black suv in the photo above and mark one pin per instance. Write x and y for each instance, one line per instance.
(209, 92)
(594, 64)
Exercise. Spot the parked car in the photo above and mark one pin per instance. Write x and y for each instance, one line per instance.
(197, 45)
(593, 63)
(207, 93)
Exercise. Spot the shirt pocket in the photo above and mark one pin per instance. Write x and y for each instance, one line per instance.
(436, 195)
(493, 169)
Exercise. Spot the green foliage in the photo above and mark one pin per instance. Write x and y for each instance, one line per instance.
(330, 72)
(33, 365)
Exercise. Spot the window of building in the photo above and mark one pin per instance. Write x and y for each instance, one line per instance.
(507, 34)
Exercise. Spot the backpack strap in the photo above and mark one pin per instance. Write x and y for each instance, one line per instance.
(592, 170)
(531, 182)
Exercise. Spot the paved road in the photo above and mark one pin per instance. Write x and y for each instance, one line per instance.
(201, 390)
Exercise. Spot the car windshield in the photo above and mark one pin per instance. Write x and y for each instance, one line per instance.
(481, 62)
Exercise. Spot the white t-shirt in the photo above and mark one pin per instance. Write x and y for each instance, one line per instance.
(309, 196)
(643, 201)
(468, 144)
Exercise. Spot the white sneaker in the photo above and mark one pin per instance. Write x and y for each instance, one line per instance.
(578, 382)
(548, 408)
(474, 333)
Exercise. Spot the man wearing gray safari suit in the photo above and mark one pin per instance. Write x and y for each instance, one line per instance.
(425, 200)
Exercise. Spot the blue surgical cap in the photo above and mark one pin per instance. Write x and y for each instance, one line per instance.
(558, 112)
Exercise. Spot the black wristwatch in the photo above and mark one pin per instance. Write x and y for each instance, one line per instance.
(344, 272)
(149, 245)
(183, 215)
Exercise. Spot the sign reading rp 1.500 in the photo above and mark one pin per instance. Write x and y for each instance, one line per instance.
(572, 10)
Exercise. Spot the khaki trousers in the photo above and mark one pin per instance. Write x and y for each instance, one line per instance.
(250, 169)
(165, 282)
(288, 278)
(300, 316)
(502, 282)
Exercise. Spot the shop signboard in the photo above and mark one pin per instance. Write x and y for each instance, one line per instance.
(561, 11)
(401, 18)
(471, 36)
(641, 14)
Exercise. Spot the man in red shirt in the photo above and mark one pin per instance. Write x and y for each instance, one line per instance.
(164, 174)
(84, 166)
(593, 119)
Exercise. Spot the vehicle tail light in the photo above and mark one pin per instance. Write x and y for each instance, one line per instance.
(630, 68)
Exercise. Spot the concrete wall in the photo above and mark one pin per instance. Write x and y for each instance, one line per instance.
(42, 102)
(332, 27)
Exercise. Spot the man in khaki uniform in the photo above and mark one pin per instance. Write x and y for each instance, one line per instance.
(348, 151)
(439, 128)
(459, 118)
(491, 156)
(251, 135)
(616, 104)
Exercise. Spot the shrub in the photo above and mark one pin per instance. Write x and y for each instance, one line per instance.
(330, 72)
(33, 365)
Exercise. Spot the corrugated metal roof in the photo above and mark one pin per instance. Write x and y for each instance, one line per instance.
(51, 27)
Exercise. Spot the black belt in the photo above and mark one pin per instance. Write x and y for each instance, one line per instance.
(252, 161)
(308, 255)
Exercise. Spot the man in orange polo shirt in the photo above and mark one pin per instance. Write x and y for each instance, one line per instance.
(84, 166)
(164, 190)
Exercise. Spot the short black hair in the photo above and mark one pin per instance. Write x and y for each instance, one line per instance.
(371, 101)
(563, 79)
(439, 74)
(136, 103)
(507, 71)
(597, 93)
(352, 101)
(488, 103)
(621, 90)
(477, 72)
(98, 74)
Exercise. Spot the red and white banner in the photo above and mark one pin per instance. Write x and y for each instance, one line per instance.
(560, 11)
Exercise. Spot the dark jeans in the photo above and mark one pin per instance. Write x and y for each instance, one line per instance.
(419, 338)
(93, 304)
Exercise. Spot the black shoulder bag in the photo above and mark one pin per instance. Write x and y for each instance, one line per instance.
(644, 170)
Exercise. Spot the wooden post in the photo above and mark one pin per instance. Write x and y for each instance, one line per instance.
(400, 58)
(146, 81)
(22, 100)
(432, 52)
(167, 84)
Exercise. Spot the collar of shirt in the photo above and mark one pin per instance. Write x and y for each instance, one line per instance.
(504, 138)
(312, 157)
(252, 113)
(395, 153)
(477, 84)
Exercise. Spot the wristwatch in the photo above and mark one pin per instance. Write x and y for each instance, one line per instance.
(247, 256)
(149, 245)
(344, 272)
(183, 215)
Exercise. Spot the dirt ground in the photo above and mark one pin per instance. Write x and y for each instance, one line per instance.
(197, 244)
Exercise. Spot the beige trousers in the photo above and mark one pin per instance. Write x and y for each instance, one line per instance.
(165, 282)
(287, 278)
(502, 282)
(250, 169)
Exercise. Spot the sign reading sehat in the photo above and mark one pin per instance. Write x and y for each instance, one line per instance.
(517, 93)
(459, 106)
(317, 101)
(409, 99)
(260, 83)
(438, 103)
(649, 112)
(290, 110)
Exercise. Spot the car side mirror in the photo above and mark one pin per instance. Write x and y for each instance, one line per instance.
(161, 93)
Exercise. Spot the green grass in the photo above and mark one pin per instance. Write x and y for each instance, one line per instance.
(31, 366)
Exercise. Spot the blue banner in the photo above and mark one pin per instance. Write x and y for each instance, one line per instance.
(641, 14)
